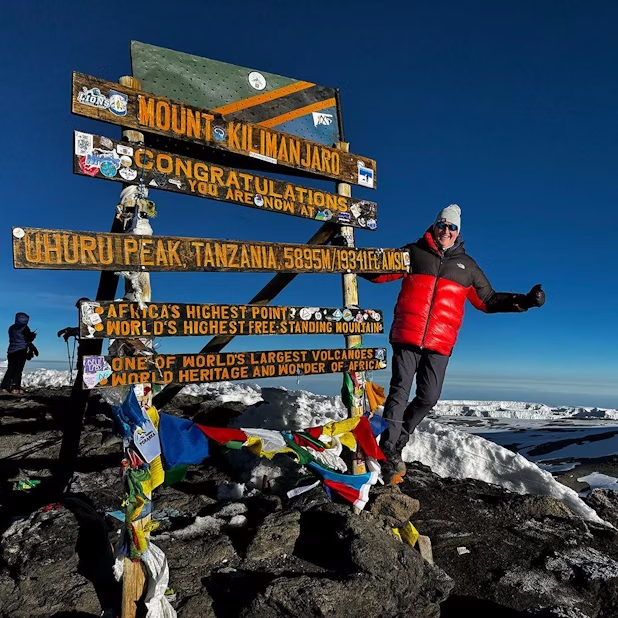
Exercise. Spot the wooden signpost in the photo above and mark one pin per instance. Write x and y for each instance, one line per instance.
(101, 157)
(128, 107)
(208, 133)
(65, 250)
(111, 371)
(125, 320)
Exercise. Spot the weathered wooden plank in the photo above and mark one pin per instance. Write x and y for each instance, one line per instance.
(101, 157)
(103, 371)
(98, 320)
(66, 250)
(110, 102)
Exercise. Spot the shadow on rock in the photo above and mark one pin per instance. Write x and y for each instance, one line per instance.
(96, 559)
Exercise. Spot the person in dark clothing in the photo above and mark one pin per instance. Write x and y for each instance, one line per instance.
(20, 350)
(428, 316)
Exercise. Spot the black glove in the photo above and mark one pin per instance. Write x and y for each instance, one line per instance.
(66, 333)
(536, 296)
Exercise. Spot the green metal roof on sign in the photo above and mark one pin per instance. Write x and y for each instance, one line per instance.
(290, 105)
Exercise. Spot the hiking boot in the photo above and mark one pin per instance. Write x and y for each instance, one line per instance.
(394, 469)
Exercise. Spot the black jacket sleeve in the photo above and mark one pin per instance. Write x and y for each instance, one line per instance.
(486, 299)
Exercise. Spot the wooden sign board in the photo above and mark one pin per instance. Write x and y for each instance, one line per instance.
(103, 371)
(98, 320)
(291, 105)
(101, 157)
(134, 109)
(65, 250)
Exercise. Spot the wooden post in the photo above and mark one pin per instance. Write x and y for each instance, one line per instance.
(133, 579)
(73, 421)
(424, 546)
(350, 299)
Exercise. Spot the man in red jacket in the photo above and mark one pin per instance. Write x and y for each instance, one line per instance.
(428, 315)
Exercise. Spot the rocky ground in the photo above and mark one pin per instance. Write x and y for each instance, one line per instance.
(495, 553)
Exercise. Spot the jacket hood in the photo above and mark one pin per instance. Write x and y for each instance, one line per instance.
(22, 318)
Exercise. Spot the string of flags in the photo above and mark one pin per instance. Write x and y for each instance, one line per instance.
(158, 447)
(168, 444)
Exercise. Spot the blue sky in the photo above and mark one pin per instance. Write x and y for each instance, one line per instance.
(508, 109)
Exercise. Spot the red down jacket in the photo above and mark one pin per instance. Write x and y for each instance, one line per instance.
(430, 306)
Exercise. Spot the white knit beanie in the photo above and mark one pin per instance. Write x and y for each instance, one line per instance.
(450, 214)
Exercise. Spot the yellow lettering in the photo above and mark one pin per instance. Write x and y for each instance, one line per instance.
(146, 111)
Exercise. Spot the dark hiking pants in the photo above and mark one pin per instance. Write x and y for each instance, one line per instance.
(16, 363)
(403, 417)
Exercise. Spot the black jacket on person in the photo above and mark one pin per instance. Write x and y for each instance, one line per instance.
(19, 333)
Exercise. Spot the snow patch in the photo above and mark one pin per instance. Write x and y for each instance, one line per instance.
(281, 409)
(453, 453)
(596, 480)
(519, 410)
(224, 392)
(230, 491)
(200, 527)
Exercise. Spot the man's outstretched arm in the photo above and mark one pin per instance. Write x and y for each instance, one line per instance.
(380, 277)
(484, 298)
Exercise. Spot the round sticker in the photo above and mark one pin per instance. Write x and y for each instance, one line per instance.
(257, 80)
(108, 169)
(347, 315)
(371, 224)
(125, 161)
(305, 313)
(18, 232)
(219, 133)
(128, 174)
(318, 315)
(328, 215)
(89, 170)
(258, 200)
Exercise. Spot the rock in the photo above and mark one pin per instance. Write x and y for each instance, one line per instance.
(524, 552)
(44, 568)
(537, 507)
(190, 562)
(394, 507)
(197, 605)
(605, 503)
(276, 537)
(528, 556)
(356, 596)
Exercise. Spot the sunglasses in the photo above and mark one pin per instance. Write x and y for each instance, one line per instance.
(443, 226)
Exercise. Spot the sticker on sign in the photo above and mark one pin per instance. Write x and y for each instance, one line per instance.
(320, 118)
(365, 175)
(84, 143)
